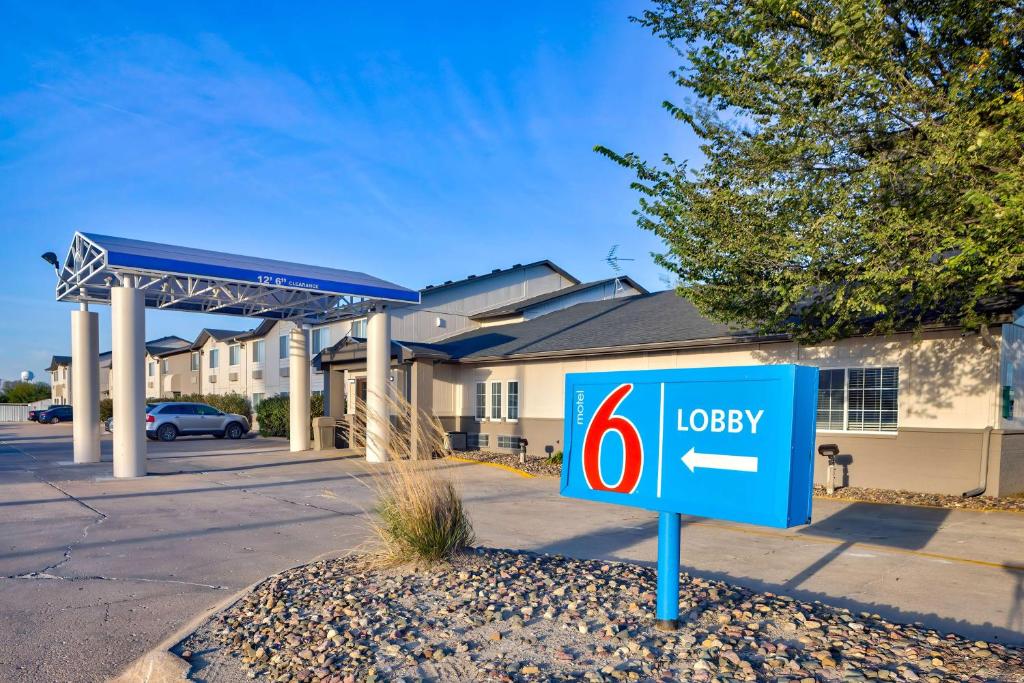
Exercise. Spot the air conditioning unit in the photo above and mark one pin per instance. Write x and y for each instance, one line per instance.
(284, 371)
(212, 379)
(257, 374)
(232, 376)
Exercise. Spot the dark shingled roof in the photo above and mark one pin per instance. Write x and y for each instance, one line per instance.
(646, 319)
(430, 289)
(56, 361)
(165, 345)
(520, 306)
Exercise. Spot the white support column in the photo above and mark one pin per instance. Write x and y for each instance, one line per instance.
(378, 368)
(298, 390)
(128, 346)
(85, 384)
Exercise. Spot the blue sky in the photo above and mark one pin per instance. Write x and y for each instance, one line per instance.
(420, 142)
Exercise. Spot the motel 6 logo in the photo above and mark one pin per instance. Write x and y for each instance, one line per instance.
(604, 423)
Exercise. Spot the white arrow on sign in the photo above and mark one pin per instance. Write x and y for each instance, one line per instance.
(715, 461)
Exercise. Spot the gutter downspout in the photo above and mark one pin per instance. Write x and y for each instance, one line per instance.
(986, 442)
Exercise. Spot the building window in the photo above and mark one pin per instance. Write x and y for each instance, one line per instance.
(165, 366)
(151, 370)
(234, 354)
(513, 401)
(195, 361)
(257, 351)
(282, 346)
(358, 328)
(256, 400)
(505, 441)
(495, 400)
(214, 358)
(477, 440)
(321, 339)
(481, 400)
(858, 399)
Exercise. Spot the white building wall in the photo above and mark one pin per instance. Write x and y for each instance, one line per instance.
(609, 290)
(946, 380)
(447, 312)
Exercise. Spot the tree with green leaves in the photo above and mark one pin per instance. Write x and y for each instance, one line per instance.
(24, 392)
(864, 162)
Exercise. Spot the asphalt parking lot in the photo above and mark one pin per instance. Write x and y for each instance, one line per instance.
(95, 571)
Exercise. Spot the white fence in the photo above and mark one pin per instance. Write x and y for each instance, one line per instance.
(13, 412)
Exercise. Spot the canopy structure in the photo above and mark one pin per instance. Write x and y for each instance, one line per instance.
(132, 275)
(204, 281)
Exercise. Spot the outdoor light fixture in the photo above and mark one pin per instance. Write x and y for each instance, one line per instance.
(51, 258)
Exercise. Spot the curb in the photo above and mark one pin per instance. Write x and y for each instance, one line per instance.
(917, 505)
(501, 466)
(160, 665)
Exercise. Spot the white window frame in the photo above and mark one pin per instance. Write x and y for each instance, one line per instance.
(151, 369)
(213, 359)
(165, 366)
(846, 401)
(476, 401)
(358, 328)
(495, 405)
(257, 398)
(324, 335)
(508, 402)
(195, 363)
(258, 351)
(282, 347)
(234, 355)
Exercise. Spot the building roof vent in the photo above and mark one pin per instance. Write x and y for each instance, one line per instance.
(448, 282)
(471, 277)
(496, 270)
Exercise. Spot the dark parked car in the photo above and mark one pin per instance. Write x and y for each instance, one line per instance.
(33, 415)
(55, 414)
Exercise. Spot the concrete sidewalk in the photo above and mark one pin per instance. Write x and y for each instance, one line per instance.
(97, 571)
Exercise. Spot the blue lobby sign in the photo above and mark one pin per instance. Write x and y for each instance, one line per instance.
(732, 443)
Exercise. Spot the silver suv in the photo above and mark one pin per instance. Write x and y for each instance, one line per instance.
(168, 421)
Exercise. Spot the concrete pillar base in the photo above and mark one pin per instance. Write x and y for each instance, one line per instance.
(378, 368)
(85, 385)
(298, 391)
(128, 346)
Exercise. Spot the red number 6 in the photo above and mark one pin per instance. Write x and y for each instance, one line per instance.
(605, 421)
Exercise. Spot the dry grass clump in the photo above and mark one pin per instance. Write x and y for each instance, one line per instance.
(420, 516)
(419, 513)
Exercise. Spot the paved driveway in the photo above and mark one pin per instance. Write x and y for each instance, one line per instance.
(95, 571)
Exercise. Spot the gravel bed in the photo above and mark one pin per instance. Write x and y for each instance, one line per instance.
(534, 465)
(498, 615)
(1012, 504)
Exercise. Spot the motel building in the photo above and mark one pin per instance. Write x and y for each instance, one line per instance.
(941, 411)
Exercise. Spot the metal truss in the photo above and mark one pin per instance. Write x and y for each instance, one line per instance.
(87, 276)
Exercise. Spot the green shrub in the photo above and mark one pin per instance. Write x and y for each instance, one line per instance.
(274, 415)
(229, 403)
(419, 516)
(555, 458)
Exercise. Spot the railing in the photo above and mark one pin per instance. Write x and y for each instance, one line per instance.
(13, 412)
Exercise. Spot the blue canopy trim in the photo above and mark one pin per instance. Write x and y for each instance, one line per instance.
(185, 278)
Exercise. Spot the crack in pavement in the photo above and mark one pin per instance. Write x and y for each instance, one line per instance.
(100, 516)
(44, 576)
(286, 500)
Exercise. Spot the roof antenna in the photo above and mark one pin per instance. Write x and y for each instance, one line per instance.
(612, 259)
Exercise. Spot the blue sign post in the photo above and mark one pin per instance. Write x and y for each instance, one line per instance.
(731, 443)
